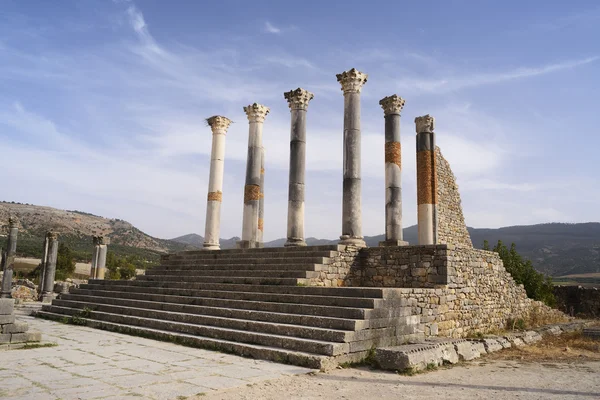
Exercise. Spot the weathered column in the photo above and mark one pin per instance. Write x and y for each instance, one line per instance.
(426, 180)
(47, 295)
(256, 116)
(9, 260)
(218, 124)
(43, 265)
(298, 102)
(352, 82)
(261, 202)
(392, 107)
(95, 255)
(102, 252)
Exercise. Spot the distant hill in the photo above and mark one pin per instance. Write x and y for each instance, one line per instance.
(197, 241)
(76, 229)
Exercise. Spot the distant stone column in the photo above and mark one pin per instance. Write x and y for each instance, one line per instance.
(352, 82)
(256, 116)
(43, 265)
(102, 253)
(9, 260)
(47, 295)
(95, 255)
(298, 102)
(218, 124)
(261, 202)
(392, 107)
(426, 180)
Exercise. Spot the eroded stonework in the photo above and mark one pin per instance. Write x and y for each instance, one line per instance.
(451, 227)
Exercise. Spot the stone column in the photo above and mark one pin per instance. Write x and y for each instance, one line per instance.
(101, 264)
(261, 202)
(47, 295)
(426, 181)
(256, 116)
(95, 255)
(43, 265)
(9, 260)
(298, 102)
(392, 106)
(352, 82)
(218, 124)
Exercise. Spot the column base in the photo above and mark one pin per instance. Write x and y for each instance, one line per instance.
(393, 243)
(47, 297)
(348, 240)
(249, 244)
(295, 242)
(211, 246)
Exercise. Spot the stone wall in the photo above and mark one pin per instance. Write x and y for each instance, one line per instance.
(454, 290)
(577, 300)
(450, 218)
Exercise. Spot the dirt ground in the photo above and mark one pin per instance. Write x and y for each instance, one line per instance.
(565, 367)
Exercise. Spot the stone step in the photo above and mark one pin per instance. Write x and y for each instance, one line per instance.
(225, 255)
(224, 267)
(255, 315)
(247, 252)
(258, 273)
(306, 332)
(299, 358)
(272, 340)
(288, 308)
(378, 293)
(261, 280)
(247, 261)
(249, 296)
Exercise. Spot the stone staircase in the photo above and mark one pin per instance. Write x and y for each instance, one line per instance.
(250, 302)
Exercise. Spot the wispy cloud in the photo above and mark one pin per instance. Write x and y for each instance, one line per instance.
(458, 82)
(270, 28)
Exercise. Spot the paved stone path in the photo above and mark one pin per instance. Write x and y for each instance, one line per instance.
(94, 364)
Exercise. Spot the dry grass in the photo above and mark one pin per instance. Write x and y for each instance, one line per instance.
(568, 347)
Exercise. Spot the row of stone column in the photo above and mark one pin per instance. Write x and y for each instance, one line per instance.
(352, 82)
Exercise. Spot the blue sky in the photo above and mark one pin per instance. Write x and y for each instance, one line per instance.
(102, 105)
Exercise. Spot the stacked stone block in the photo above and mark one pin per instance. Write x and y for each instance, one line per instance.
(451, 227)
(14, 334)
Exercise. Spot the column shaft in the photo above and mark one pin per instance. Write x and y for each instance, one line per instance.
(43, 264)
(426, 181)
(392, 106)
(101, 264)
(261, 202)
(298, 101)
(9, 261)
(256, 116)
(50, 267)
(219, 127)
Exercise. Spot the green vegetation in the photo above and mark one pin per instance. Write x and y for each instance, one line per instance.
(123, 267)
(65, 263)
(537, 285)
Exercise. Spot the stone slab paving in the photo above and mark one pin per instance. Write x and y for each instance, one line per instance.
(93, 364)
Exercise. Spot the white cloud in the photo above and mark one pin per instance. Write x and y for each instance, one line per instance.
(270, 28)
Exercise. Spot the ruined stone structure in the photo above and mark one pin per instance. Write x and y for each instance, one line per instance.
(218, 125)
(50, 267)
(318, 306)
(451, 227)
(9, 258)
(14, 334)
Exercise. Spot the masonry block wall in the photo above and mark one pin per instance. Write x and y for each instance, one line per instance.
(450, 220)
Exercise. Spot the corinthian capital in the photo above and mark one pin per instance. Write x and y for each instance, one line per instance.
(426, 123)
(12, 222)
(218, 123)
(256, 112)
(392, 104)
(352, 81)
(52, 235)
(298, 99)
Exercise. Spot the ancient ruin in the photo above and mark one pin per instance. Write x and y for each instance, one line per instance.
(318, 306)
